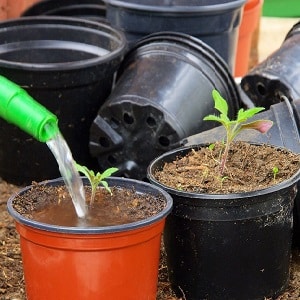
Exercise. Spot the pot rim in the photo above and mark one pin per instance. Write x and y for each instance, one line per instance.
(150, 170)
(189, 9)
(70, 22)
(119, 181)
(199, 49)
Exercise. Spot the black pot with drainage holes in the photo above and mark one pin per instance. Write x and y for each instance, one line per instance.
(277, 75)
(163, 91)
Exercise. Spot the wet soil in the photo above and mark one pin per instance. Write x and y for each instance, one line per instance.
(53, 205)
(11, 273)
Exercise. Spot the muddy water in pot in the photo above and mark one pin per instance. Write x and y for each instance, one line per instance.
(101, 214)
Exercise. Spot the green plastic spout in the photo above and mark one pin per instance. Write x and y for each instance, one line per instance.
(19, 108)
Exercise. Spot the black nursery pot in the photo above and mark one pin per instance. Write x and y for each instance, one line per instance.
(276, 76)
(234, 246)
(94, 10)
(284, 133)
(66, 64)
(214, 22)
(162, 92)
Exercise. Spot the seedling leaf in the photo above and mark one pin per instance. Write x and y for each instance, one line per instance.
(96, 179)
(220, 103)
(234, 127)
(244, 115)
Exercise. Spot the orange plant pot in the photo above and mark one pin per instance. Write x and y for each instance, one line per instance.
(16, 7)
(250, 22)
(3, 10)
(115, 262)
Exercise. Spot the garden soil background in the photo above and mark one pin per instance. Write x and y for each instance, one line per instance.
(11, 272)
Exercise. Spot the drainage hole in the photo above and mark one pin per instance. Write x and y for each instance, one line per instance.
(151, 121)
(128, 119)
(114, 123)
(104, 142)
(112, 160)
(164, 141)
(261, 88)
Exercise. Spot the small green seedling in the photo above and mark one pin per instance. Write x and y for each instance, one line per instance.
(96, 179)
(275, 171)
(211, 147)
(233, 127)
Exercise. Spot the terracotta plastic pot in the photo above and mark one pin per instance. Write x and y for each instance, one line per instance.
(3, 10)
(228, 246)
(249, 23)
(15, 8)
(114, 262)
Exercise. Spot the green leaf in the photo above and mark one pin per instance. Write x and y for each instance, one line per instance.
(220, 103)
(213, 118)
(95, 180)
(211, 147)
(108, 172)
(244, 115)
(85, 171)
(235, 126)
(105, 184)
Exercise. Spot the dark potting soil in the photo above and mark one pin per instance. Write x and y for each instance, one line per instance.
(249, 167)
(53, 205)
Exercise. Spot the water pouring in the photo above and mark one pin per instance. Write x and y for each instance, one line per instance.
(19, 108)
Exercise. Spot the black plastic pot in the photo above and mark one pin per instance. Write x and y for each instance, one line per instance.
(67, 8)
(214, 22)
(276, 76)
(67, 65)
(162, 93)
(284, 133)
(85, 11)
(232, 246)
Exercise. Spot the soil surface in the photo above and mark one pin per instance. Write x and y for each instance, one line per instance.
(53, 205)
(11, 273)
(248, 167)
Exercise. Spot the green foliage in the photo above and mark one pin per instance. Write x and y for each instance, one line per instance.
(211, 147)
(275, 171)
(96, 179)
(234, 127)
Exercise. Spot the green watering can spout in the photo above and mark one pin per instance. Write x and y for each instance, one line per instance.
(19, 108)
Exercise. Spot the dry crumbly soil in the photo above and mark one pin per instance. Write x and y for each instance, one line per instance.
(11, 273)
(248, 168)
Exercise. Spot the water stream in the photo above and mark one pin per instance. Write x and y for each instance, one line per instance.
(67, 168)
